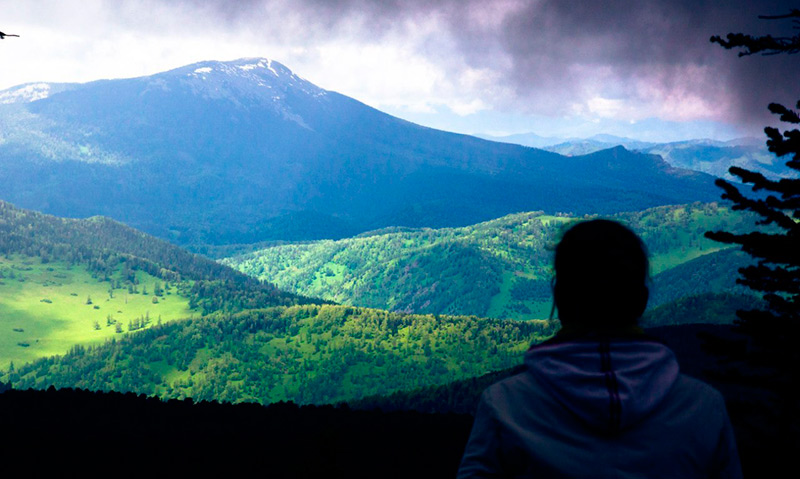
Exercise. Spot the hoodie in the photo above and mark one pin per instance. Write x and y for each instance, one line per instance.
(597, 408)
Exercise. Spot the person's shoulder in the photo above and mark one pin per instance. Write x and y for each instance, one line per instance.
(695, 396)
(520, 381)
(695, 386)
(515, 388)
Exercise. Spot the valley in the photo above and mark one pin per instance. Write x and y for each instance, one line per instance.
(306, 238)
(498, 269)
(168, 323)
(359, 254)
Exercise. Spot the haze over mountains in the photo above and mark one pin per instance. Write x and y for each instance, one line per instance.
(704, 155)
(244, 151)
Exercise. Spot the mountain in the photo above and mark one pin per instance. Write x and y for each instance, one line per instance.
(67, 281)
(585, 146)
(707, 156)
(525, 139)
(570, 146)
(245, 151)
(500, 268)
(702, 155)
(715, 158)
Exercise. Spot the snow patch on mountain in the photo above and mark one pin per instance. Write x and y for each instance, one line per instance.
(269, 66)
(25, 93)
(241, 76)
(248, 81)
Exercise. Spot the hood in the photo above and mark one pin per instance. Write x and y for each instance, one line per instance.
(609, 384)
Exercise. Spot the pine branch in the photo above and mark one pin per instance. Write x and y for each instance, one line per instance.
(743, 203)
(771, 280)
(792, 14)
(786, 204)
(788, 142)
(787, 115)
(785, 307)
(772, 330)
(766, 45)
(767, 248)
(787, 187)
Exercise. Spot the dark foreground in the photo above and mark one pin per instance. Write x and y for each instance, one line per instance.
(73, 432)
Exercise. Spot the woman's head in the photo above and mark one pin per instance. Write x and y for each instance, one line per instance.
(601, 276)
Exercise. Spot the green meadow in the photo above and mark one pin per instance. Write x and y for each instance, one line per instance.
(46, 308)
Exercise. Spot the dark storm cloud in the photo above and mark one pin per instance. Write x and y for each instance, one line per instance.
(552, 53)
(654, 41)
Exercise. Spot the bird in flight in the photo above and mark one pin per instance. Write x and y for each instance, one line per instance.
(4, 35)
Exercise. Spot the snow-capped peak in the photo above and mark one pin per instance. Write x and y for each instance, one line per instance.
(244, 82)
(262, 63)
(248, 77)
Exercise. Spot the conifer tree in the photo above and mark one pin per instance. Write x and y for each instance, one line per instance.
(773, 353)
(777, 251)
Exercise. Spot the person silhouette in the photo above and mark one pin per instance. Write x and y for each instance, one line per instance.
(601, 399)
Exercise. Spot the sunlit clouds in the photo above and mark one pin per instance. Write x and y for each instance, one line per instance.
(489, 65)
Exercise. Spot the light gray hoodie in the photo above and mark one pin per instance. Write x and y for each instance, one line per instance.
(601, 408)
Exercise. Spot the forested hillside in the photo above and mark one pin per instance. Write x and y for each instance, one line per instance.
(500, 268)
(710, 273)
(66, 281)
(307, 354)
(103, 244)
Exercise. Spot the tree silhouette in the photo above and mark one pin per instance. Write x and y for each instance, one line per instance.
(767, 44)
(772, 356)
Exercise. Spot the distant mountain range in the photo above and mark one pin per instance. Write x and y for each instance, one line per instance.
(246, 151)
(703, 155)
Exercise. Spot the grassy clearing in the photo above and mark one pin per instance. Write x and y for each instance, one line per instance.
(497, 306)
(47, 308)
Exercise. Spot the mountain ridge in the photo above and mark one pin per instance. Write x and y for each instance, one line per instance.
(247, 151)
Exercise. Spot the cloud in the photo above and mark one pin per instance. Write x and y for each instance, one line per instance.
(620, 59)
(646, 57)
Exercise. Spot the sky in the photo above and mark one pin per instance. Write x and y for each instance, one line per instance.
(568, 68)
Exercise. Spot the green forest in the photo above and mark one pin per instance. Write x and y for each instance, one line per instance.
(94, 304)
(498, 269)
(305, 354)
